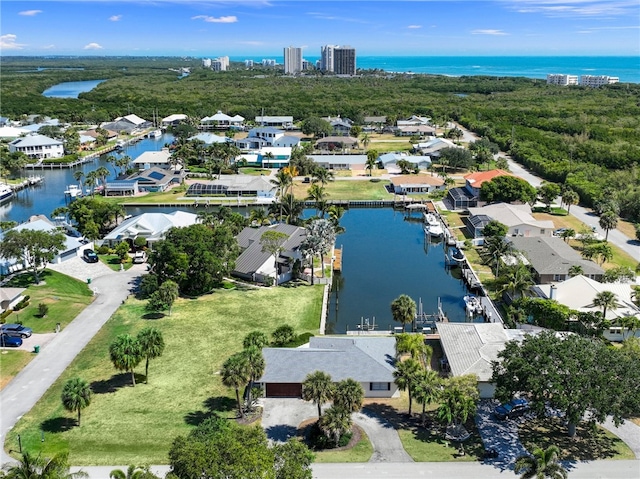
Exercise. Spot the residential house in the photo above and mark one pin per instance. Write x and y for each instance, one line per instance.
(340, 162)
(551, 258)
(149, 159)
(210, 138)
(274, 157)
(433, 146)
(368, 360)
(234, 185)
(154, 179)
(173, 120)
(284, 122)
(35, 127)
(336, 143)
(373, 123)
(469, 195)
(390, 161)
(73, 245)
(4, 121)
(122, 187)
(12, 132)
(10, 297)
(151, 226)
(415, 130)
(257, 265)
(221, 121)
(416, 184)
(470, 348)
(517, 218)
(37, 146)
(340, 126)
(578, 293)
(128, 124)
(413, 121)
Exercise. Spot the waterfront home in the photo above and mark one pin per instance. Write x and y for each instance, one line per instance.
(173, 120)
(368, 360)
(390, 161)
(416, 184)
(35, 127)
(127, 124)
(550, 258)
(37, 146)
(257, 265)
(122, 187)
(274, 157)
(73, 246)
(221, 121)
(210, 138)
(340, 162)
(150, 226)
(234, 185)
(517, 218)
(470, 348)
(469, 195)
(336, 143)
(149, 159)
(155, 179)
(284, 122)
(579, 292)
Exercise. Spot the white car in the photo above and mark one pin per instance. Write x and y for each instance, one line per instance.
(139, 257)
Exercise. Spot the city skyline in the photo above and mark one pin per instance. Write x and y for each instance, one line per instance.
(254, 28)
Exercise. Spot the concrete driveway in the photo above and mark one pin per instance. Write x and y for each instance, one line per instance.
(282, 416)
(499, 435)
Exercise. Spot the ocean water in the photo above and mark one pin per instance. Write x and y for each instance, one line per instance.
(626, 68)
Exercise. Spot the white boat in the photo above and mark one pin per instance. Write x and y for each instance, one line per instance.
(472, 304)
(435, 230)
(431, 219)
(6, 193)
(73, 191)
(155, 134)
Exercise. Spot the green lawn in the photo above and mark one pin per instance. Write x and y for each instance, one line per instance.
(113, 262)
(11, 363)
(348, 190)
(127, 425)
(252, 170)
(361, 452)
(64, 295)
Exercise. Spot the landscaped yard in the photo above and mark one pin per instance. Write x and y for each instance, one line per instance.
(11, 363)
(348, 190)
(113, 262)
(64, 295)
(127, 425)
(361, 452)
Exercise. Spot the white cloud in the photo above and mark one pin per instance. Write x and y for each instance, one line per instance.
(576, 8)
(414, 26)
(8, 42)
(29, 13)
(115, 18)
(252, 42)
(49, 47)
(93, 46)
(488, 32)
(208, 19)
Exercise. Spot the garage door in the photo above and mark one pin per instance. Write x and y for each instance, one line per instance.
(284, 390)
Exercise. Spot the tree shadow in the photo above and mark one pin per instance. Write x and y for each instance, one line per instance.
(25, 279)
(153, 316)
(211, 406)
(115, 382)
(281, 432)
(58, 424)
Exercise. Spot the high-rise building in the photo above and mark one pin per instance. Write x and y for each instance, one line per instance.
(292, 60)
(326, 57)
(206, 62)
(344, 61)
(220, 64)
(561, 79)
(248, 63)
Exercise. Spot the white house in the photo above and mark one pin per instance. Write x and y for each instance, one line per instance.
(274, 156)
(151, 226)
(390, 161)
(420, 184)
(173, 120)
(518, 218)
(285, 122)
(38, 146)
(234, 185)
(221, 121)
(149, 159)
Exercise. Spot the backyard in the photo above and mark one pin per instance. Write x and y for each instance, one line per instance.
(136, 425)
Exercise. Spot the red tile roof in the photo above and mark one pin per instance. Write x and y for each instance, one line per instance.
(476, 179)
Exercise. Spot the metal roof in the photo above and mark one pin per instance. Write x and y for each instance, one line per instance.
(252, 258)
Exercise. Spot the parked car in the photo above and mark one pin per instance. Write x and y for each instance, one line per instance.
(139, 257)
(7, 341)
(90, 256)
(15, 330)
(511, 409)
(559, 231)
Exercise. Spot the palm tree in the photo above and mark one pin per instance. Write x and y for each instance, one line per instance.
(517, 280)
(575, 270)
(318, 195)
(78, 175)
(366, 139)
(608, 221)
(133, 472)
(268, 156)
(568, 234)
(406, 374)
(542, 464)
(38, 467)
(455, 406)
(126, 354)
(414, 345)
(348, 395)
(291, 209)
(292, 171)
(102, 173)
(630, 323)
(255, 338)
(76, 395)
(281, 181)
(335, 213)
(335, 423)
(403, 309)
(90, 180)
(318, 388)
(427, 389)
(570, 197)
(605, 300)
(207, 218)
(372, 160)
(235, 374)
(152, 346)
(322, 175)
(256, 365)
(494, 248)
(259, 216)
(112, 161)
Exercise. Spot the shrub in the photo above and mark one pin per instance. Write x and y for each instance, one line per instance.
(140, 242)
(3, 316)
(22, 304)
(317, 440)
(283, 335)
(43, 309)
(104, 249)
(148, 285)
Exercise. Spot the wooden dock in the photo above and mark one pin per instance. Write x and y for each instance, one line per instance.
(337, 259)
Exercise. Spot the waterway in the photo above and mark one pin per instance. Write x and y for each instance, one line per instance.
(71, 89)
(49, 195)
(385, 254)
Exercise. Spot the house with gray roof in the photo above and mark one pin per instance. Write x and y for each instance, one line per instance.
(154, 179)
(37, 146)
(517, 218)
(234, 185)
(469, 348)
(340, 162)
(369, 360)
(149, 159)
(257, 265)
(551, 258)
(127, 124)
(285, 122)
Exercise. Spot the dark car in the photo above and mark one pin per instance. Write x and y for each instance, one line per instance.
(7, 341)
(15, 330)
(511, 409)
(90, 256)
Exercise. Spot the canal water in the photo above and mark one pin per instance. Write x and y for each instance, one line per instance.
(385, 254)
(49, 195)
(71, 89)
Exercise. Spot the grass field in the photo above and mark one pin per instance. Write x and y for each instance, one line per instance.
(348, 190)
(361, 452)
(11, 363)
(64, 295)
(127, 425)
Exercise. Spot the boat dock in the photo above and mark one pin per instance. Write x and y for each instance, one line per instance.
(30, 181)
(337, 259)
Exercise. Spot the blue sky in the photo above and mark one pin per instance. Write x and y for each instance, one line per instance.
(260, 29)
